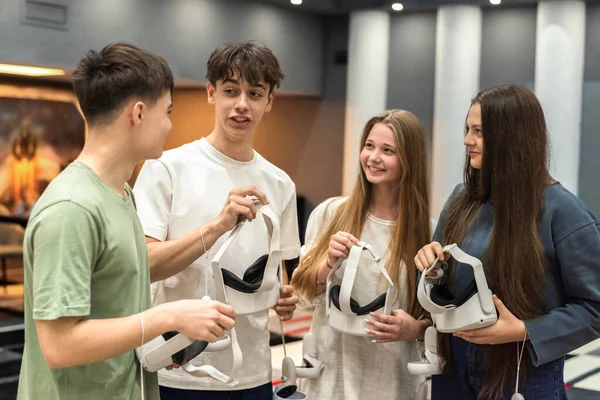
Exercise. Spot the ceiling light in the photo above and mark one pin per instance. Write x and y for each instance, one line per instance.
(296, 2)
(397, 7)
(25, 70)
(495, 2)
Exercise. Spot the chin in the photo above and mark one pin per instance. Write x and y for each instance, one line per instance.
(475, 165)
(156, 155)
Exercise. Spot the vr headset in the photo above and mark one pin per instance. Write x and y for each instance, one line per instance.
(344, 313)
(471, 309)
(175, 348)
(259, 288)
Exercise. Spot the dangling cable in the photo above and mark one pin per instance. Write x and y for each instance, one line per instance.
(207, 266)
(283, 338)
(519, 358)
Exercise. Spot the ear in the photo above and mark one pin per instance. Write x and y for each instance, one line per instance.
(210, 91)
(270, 100)
(137, 112)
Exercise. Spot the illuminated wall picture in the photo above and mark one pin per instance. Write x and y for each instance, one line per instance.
(41, 132)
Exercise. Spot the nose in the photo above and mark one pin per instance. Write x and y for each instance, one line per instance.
(469, 139)
(242, 103)
(375, 156)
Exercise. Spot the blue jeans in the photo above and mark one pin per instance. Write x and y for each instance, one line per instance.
(466, 379)
(264, 392)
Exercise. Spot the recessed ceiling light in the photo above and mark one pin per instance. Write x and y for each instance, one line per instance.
(495, 2)
(26, 70)
(397, 7)
(296, 2)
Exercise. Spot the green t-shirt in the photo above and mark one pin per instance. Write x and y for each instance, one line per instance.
(84, 255)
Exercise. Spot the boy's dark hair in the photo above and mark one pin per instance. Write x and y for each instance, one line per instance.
(103, 81)
(254, 61)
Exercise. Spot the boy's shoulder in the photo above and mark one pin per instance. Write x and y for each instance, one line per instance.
(273, 170)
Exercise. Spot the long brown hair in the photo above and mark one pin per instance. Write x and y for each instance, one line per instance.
(412, 228)
(513, 177)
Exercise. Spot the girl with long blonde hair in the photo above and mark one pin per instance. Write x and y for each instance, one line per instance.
(387, 208)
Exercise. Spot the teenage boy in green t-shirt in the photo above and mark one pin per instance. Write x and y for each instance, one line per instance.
(87, 282)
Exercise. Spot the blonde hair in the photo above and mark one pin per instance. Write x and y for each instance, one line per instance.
(412, 229)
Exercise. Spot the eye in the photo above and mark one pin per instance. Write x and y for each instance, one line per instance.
(389, 151)
(230, 91)
(368, 146)
(256, 94)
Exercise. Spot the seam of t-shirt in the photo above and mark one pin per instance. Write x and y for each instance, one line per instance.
(148, 229)
(228, 162)
(55, 314)
(574, 230)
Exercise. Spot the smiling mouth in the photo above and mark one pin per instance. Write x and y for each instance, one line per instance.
(374, 169)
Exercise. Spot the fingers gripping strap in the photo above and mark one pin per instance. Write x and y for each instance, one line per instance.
(349, 277)
(426, 282)
(270, 278)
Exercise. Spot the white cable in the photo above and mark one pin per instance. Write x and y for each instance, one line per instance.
(283, 339)
(519, 358)
(142, 357)
(207, 266)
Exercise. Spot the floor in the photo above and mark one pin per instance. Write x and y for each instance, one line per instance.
(582, 368)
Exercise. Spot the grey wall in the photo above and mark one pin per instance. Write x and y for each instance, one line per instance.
(182, 31)
(589, 172)
(322, 157)
(412, 65)
(508, 46)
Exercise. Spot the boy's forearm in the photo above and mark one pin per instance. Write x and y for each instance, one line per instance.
(170, 257)
(70, 341)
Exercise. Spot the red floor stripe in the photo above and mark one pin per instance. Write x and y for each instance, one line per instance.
(297, 331)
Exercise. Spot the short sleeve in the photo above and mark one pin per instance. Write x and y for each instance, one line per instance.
(153, 192)
(65, 242)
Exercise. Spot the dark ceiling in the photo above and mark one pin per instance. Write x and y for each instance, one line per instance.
(345, 6)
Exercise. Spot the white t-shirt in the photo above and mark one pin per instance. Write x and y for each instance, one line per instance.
(355, 368)
(186, 188)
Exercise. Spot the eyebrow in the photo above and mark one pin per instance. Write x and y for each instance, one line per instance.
(236, 82)
(385, 144)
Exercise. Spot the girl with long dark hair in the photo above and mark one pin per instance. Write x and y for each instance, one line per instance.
(540, 247)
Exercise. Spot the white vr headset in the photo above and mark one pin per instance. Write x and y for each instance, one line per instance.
(259, 288)
(344, 313)
(472, 309)
(175, 348)
(451, 312)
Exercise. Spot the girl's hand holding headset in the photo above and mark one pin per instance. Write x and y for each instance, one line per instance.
(507, 329)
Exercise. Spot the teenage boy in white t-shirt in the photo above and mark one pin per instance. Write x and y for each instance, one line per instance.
(197, 192)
